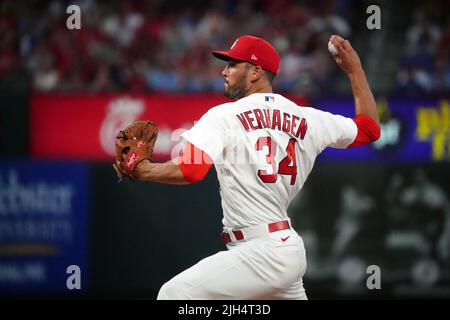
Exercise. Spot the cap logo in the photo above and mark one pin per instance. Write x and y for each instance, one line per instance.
(254, 57)
(234, 44)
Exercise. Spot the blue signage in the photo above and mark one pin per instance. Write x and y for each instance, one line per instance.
(43, 226)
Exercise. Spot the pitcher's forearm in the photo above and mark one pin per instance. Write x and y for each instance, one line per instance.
(364, 100)
(167, 172)
(348, 60)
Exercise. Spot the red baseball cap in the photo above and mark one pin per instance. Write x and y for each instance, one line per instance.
(254, 50)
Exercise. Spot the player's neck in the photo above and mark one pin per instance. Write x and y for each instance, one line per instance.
(260, 88)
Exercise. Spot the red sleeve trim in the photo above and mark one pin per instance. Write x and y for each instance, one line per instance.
(368, 131)
(194, 163)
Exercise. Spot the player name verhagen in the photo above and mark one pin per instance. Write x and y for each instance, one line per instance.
(273, 119)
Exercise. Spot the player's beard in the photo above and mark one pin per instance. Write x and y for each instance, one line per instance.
(236, 91)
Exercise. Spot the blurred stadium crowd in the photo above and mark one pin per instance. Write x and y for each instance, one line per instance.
(424, 66)
(157, 45)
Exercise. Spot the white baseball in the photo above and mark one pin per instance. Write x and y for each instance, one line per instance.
(332, 48)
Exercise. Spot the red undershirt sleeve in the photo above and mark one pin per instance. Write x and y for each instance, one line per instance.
(194, 163)
(368, 131)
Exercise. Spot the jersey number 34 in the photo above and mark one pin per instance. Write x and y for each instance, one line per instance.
(285, 167)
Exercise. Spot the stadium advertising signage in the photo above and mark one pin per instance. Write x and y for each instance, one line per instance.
(411, 131)
(84, 126)
(43, 226)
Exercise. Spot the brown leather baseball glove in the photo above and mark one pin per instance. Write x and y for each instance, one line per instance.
(134, 144)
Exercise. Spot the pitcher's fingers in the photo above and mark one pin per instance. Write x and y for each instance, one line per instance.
(337, 38)
(338, 46)
(346, 45)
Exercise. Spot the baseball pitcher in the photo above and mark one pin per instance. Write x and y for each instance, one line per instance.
(263, 147)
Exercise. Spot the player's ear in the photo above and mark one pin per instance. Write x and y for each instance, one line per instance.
(257, 73)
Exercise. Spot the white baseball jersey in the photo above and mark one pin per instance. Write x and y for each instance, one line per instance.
(264, 147)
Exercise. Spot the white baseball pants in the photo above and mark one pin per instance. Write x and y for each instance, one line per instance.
(268, 267)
